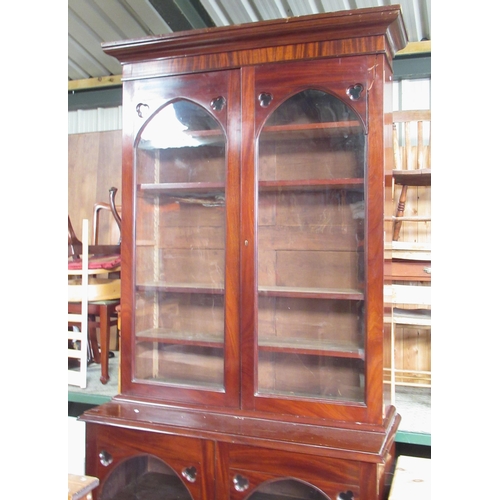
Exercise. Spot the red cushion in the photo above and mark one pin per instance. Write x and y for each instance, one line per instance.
(100, 262)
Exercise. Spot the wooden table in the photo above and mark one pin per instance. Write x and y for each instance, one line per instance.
(81, 486)
(412, 479)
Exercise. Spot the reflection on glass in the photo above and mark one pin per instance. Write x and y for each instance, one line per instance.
(180, 248)
(178, 125)
(311, 219)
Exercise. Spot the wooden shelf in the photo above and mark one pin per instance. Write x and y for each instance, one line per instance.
(291, 132)
(310, 347)
(310, 293)
(166, 336)
(356, 396)
(181, 287)
(189, 138)
(310, 184)
(267, 291)
(285, 132)
(294, 346)
(197, 191)
(188, 384)
(183, 188)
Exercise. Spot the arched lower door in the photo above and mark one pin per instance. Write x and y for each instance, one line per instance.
(144, 477)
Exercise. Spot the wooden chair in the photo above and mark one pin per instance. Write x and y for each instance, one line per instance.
(108, 314)
(104, 288)
(78, 316)
(111, 208)
(411, 162)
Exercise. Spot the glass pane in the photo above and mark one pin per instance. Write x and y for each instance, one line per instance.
(144, 476)
(311, 221)
(287, 488)
(180, 249)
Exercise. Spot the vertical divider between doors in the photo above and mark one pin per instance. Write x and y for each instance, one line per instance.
(232, 282)
(248, 250)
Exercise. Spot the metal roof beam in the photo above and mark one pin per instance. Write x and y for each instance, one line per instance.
(183, 15)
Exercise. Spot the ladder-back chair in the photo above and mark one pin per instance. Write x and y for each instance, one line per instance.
(78, 316)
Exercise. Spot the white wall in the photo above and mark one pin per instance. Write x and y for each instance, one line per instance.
(76, 446)
(412, 94)
(82, 121)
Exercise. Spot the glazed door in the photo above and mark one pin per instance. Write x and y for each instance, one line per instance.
(184, 298)
(309, 193)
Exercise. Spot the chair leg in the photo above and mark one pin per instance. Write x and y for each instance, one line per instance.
(95, 354)
(104, 327)
(400, 212)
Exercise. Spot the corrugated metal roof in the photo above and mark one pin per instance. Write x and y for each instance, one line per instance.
(91, 22)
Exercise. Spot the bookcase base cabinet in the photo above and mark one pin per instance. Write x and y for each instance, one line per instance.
(173, 453)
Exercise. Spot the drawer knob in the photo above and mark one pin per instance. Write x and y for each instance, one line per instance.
(240, 483)
(105, 458)
(189, 473)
